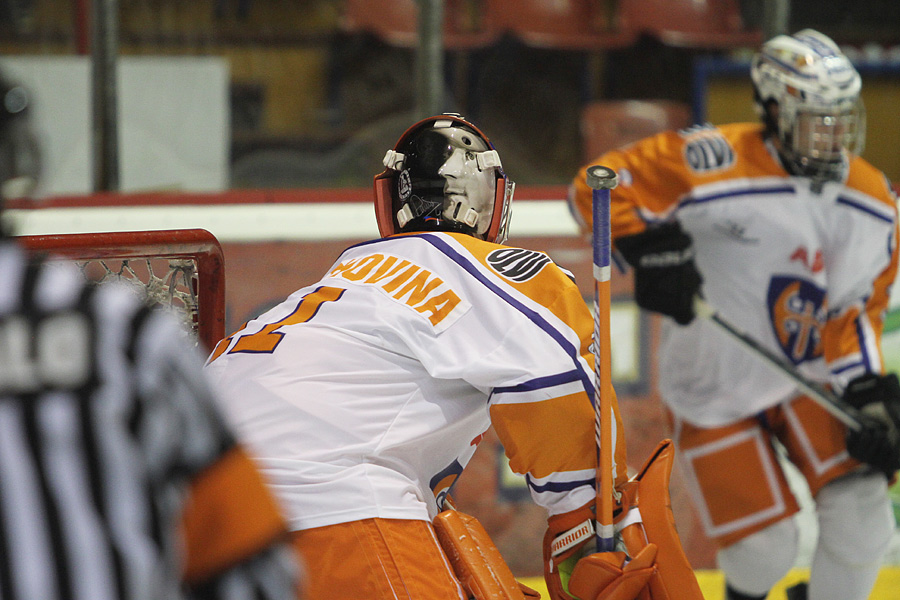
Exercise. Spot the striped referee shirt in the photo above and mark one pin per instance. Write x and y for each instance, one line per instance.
(105, 419)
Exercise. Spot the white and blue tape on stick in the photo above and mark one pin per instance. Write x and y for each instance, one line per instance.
(602, 180)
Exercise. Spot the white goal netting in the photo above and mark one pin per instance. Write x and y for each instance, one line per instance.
(182, 270)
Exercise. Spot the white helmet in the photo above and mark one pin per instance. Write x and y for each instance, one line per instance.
(444, 175)
(820, 120)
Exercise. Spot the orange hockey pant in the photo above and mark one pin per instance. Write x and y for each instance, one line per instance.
(376, 559)
(736, 481)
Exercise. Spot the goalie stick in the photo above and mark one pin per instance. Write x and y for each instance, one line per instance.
(650, 563)
(602, 180)
(827, 399)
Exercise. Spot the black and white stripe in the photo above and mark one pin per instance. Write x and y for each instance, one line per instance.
(104, 419)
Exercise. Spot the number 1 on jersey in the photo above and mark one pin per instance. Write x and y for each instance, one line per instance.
(268, 338)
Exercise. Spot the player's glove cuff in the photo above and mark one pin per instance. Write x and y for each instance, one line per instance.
(568, 537)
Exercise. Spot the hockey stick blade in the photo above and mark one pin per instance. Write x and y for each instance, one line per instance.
(847, 414)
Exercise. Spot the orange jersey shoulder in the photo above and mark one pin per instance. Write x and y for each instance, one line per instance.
(867, 179)
(656, 172)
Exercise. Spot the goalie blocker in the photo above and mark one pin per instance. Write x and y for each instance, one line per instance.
(652, 565)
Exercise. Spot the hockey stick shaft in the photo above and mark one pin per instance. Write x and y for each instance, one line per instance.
(602, 180)
(847, 414)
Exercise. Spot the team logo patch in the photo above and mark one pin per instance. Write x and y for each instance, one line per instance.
(708, 152)
(517, 264)
(797, 312)
(404, 185)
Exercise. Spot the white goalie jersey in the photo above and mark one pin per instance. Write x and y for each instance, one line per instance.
(806, 272)
(365, 394)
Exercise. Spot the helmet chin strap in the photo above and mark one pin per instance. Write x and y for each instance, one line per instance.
(462, 212)
(459, 211)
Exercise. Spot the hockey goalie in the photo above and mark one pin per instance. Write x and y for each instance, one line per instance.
(364, 395)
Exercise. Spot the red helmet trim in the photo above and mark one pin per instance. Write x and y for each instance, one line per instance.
(384, 204)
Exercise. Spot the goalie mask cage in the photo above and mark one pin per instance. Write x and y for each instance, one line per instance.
(182, 269)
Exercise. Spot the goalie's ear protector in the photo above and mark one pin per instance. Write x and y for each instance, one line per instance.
(443, 174)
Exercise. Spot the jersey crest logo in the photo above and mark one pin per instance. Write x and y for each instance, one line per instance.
(797, 311)
(708, 152)
(517, 264)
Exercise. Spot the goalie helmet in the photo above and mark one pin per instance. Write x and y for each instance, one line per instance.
(444, 175)
(820, 121)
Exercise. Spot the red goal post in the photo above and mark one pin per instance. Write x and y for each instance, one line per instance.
(181, 268)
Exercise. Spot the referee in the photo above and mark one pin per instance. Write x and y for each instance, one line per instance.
(118, 476)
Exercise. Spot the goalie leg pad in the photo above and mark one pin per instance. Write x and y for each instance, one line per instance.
(475, 559)
(676, 577)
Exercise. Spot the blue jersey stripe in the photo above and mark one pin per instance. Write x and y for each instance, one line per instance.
(884, 216)
(540, 383)
(779, 189)
(863, 347)
(558, 486)
(848, 367)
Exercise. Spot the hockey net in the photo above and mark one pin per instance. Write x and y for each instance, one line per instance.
(182, 269)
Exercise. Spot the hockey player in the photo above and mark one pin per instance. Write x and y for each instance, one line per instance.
(784, 229)
(118, 477)
(365, 394)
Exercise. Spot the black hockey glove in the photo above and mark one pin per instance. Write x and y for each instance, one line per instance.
(878, 443)
(665, 276)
